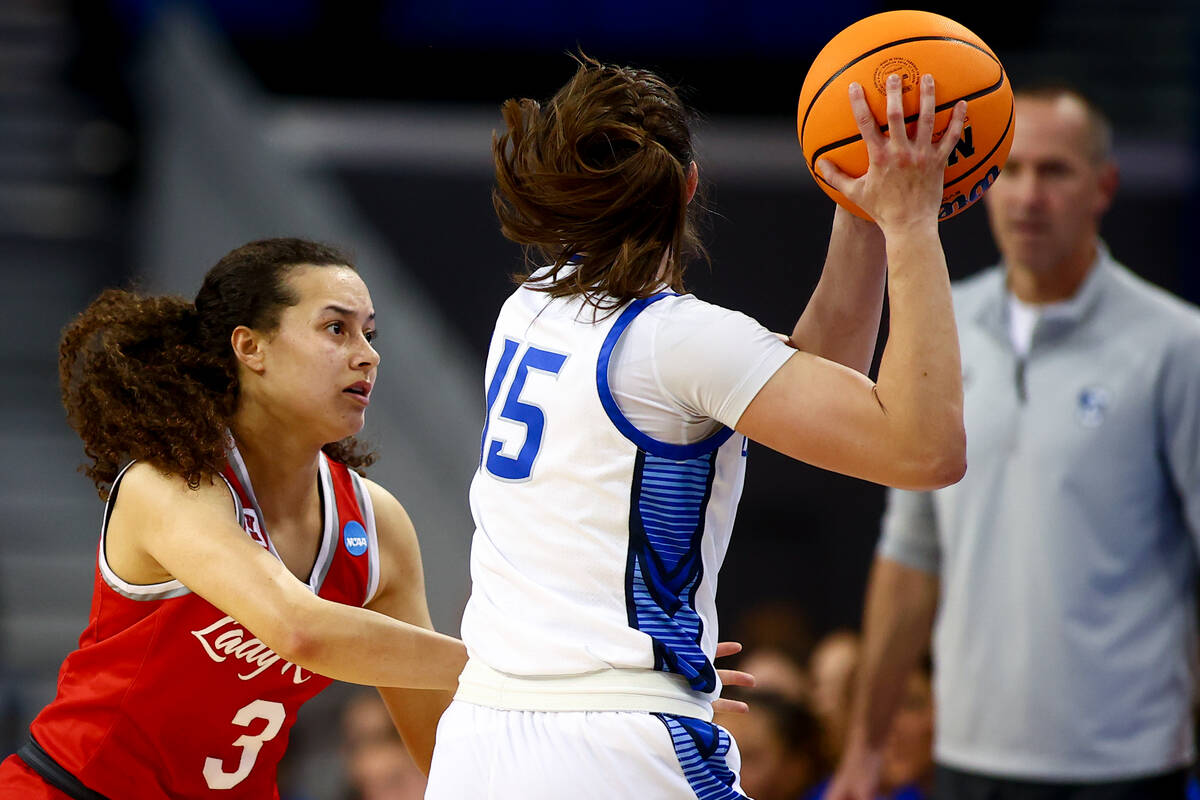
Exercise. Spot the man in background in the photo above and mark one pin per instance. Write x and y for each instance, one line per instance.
(1065, 560)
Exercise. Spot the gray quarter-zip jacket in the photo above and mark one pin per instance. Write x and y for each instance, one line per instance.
(1065, 641)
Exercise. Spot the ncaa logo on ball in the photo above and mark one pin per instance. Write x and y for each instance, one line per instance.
(355, 538)
(897, 65)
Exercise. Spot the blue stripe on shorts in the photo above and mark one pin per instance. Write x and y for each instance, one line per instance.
(701, 748)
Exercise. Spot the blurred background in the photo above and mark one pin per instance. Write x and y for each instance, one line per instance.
(142, 139)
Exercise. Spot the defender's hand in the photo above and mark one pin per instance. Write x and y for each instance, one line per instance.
(731, 677)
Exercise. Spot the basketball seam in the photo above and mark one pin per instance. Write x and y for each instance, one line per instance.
(849, 64)
(990, 153)
(911, 118)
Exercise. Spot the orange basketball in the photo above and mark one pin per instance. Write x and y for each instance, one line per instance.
(909, 43)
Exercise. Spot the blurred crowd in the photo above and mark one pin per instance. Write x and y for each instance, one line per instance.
(791, 739)
(375, 762)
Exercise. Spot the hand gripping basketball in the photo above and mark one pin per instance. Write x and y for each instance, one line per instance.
(910, 44)
(903, 182)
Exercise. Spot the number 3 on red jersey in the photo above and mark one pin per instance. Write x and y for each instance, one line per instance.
(274, 714)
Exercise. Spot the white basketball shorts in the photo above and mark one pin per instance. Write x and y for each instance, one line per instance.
(491, 754)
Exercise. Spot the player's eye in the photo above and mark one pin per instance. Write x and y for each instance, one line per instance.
(369, 335)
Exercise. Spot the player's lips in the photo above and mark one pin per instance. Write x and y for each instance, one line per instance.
(360, 391)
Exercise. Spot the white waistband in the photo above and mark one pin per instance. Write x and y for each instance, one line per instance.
(606, 690)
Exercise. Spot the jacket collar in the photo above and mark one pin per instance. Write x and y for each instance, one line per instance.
(993, 314)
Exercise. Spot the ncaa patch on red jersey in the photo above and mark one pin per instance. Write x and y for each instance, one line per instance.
(354, 536)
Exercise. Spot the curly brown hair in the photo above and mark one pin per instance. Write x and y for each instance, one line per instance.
(598, 178)
(154, 378)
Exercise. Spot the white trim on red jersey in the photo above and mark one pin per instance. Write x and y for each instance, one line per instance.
(147, 591)
(368, 511)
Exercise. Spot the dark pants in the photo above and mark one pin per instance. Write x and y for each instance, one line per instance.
(951, 784)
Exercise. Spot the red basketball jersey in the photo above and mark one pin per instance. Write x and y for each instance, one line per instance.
(169, 697)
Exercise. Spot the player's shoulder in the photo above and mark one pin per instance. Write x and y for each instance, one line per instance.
(145, 483)
(687, 309)
(686, 302)
(398, 546)
(391, 518)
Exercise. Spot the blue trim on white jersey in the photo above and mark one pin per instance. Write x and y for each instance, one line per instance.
(493, 391)
(665, 563)
(701, 748)
(679, 452)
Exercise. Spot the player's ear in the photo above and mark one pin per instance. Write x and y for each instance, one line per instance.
(248, 348)
(693, 180)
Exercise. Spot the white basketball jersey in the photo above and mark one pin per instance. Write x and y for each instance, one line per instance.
(596, 548)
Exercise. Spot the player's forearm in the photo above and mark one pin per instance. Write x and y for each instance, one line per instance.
(841, 320)
(357, 645)
(920, 375)
(897, 620)
(416, 715)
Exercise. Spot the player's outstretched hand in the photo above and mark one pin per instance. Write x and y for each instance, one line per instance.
(903, 182)
(731, 677)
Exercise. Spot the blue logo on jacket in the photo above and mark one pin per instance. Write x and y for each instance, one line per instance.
(1093, 405)
(355, 538)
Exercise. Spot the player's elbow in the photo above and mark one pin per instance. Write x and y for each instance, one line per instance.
(299, 646)
(286, 628)
(947, 470)
(940, 462)
(293, 643)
